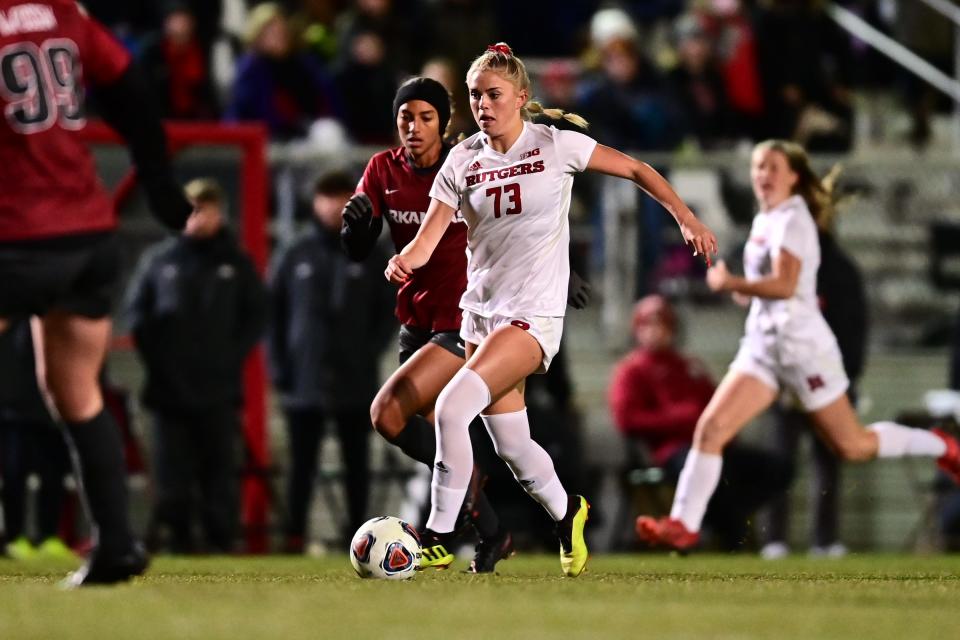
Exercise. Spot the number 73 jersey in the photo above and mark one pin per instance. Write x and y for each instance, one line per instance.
(48, 184)
(515, 205)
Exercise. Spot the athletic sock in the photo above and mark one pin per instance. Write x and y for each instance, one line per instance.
(461, 400)
(417, 440)
(898, 441)
(695, 487)
(103, 475)
(531, 465)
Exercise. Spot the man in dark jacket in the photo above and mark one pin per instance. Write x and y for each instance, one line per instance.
(197, 308)
(331, 320)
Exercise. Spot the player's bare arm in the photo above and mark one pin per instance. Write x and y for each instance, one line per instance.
(418, 251)
(779, 285)
(615, 163)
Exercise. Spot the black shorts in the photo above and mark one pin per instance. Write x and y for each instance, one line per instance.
(412, 338)
(76, 274)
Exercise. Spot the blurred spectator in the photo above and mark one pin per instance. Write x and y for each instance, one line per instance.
(843, 300)
(197, 308)
(331, 320)
(732, 32)
(30, 442)
(804, 62)
(927, 33)
(656, 395)
(697, 87)
(626, 102)
(366, 81)
(175, 62)
(444, 71)
(275, 83)
(402, 29)
(628, 107)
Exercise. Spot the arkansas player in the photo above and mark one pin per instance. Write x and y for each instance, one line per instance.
(59, 254)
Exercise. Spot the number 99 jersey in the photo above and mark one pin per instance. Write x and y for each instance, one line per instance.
(48, 184)
(515, 205)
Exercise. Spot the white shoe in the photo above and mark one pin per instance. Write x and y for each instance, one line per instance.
(835, 550)
(775, 551)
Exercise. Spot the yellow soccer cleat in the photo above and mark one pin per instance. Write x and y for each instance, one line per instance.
(434, 552)
(573, 548)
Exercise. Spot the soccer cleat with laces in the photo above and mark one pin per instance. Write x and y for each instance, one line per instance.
(491, 551)
(666, 532)
(569, 530)
(434, 552)
(949, 462)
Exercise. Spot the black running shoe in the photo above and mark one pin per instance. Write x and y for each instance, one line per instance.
(490, 552)
(101, 568)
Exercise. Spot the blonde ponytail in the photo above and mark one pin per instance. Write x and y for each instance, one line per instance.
(534, 107)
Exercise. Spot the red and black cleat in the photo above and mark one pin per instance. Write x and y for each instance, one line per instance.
(949, 462)
(666, 532)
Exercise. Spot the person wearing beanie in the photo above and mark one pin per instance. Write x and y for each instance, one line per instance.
(329, 324)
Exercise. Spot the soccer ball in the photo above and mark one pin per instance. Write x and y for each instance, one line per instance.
(386, 548)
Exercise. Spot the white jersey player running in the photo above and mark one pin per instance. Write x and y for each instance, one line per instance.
(512, 184)
(786, 341)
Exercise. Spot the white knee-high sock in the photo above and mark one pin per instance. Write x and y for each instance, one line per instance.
(898, 441)
(695, 487)
(530, 464)
(461, 400)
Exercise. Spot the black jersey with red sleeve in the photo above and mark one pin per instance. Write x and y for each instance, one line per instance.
(49, 187)
(430, 299)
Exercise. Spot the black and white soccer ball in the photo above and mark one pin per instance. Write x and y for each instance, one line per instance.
(386, 548)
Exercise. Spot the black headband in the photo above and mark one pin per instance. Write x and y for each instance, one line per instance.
(428, 90)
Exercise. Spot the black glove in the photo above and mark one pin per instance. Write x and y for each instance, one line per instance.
(360, 229)
(579, 291)
(358, 212)
(167, 202)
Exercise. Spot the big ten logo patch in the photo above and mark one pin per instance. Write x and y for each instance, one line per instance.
(530, 154)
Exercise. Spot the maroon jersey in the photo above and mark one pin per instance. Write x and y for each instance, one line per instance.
(430, 299)
(48, 184)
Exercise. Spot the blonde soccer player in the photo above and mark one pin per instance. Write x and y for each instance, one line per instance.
(786, 343)
(511, 182)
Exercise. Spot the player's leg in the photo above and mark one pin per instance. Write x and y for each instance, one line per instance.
(842, 430)
(403, 412)
(412, 390)
(74, 351)
(739, 399)
(500, 364)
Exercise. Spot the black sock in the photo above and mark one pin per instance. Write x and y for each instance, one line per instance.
(103, 472)
(484, 518)
(417, 440)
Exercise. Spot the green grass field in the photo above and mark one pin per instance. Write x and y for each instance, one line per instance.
(640, 596)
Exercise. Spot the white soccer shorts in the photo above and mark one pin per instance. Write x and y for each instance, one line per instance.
(546, 330)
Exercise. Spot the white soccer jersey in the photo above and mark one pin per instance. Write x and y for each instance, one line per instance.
(796, 321)
(515, 205)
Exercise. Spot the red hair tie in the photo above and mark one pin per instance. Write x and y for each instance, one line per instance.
(500, 48)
